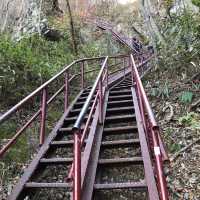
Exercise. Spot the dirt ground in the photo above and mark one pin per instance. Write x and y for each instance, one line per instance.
(176, 103)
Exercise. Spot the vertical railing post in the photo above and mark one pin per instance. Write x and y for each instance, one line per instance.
(77, 166)
(106, 75)
(115, 61)
(132, 70)
(124, 64)
(66, 103)
(43, 116)
(82, 75)
(100, 101)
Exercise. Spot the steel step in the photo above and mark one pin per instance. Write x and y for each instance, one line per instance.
(124, 97)
(67, 130)
(56, 161)
(117, 93)
(120, 130)
(120, 118)
(128, 109)
(120, 143)
(130, 185)
(119, 161)
(120, 88)
(47, 185)
(62, 143)
(122, 103)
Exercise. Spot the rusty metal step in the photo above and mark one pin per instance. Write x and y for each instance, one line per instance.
(47, 185)
(116, 93)
(120, 88)
(120, 130)
(62, 143)
(120, 118)
(67, 130)
(122, 103)
(120, 143)
(130, 185)
(124, 97)
(56, 161)
(119, 161)
(119, 110)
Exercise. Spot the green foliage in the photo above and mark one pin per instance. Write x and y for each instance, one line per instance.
(186, 97)
(174, 147)
(191, 119)
(161, 91)
(182, 33)
(196, 86)
(26, 64)
(196, 2)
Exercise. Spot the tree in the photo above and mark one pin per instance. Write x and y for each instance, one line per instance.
(72, 30)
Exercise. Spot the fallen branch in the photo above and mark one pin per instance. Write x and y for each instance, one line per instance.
(195, 104)
(177, 154)
(193, 78)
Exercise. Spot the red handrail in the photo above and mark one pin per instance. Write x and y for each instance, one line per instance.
(152, 130)
(98, 90)
(45, 102)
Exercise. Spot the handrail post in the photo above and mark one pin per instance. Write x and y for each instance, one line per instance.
(100, 101)
(43, 116)
(124, 63)
(132, 70)
(66, 98)
(82, 75)
(106, 75)
(77, 165)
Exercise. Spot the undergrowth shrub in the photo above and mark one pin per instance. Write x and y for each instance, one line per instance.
(26, 64)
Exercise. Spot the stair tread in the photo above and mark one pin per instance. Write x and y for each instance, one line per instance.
(120, 160)
(121, 87)
(103, 186)
(119, 96)
(65, 129)
(119, 142)
(57, 143)
(118, 92)
(121, 108)
(120, 117)
(121, 128)
(121, 101)
(55, 160)
(62, 142)
(47, 185)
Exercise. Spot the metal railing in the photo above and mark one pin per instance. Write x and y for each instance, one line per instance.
(42, 91)
(97, 92)
(152, 131)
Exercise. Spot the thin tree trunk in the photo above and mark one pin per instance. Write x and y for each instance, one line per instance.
(147, 9)
(75, 48)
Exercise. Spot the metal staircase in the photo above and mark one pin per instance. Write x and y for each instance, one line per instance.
(106, 145)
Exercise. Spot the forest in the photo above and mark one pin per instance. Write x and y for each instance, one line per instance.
(38, 38)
